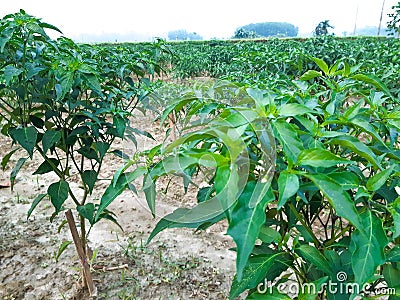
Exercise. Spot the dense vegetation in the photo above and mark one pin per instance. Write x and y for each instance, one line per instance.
(295, 143)
(268, 29)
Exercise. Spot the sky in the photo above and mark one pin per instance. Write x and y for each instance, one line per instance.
(209, 18)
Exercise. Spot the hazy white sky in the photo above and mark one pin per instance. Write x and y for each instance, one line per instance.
(209, 18)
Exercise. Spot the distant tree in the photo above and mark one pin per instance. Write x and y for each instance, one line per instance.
(322, 28)
(183, 35)
(267, 29)
(394, 23)
(242, 33)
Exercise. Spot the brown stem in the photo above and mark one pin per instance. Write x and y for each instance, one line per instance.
(87, 276)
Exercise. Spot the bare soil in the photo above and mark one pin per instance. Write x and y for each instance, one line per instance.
(177, 264)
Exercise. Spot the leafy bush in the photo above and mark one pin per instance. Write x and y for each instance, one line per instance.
(267, 29)
(67, 104)
(305, 175)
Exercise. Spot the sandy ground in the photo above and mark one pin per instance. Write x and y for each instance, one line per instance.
(177, 264)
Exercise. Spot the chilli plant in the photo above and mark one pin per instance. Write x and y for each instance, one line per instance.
(62, 106)
(306, 176)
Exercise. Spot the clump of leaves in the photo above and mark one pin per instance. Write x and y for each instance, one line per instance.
(67, 105)
(306, 176)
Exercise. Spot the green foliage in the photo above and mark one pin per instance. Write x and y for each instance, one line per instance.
(304, 172)
(183, 35)
(393, 24)
(242, 33)
(66, 104)
(268, 29)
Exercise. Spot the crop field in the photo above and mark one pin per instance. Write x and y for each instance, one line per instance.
(245, 169)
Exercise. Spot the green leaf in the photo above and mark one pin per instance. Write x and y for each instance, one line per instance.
(246, 221)
(391, 273)
(337, 197)
(35, 203)
(102, 148)
(373, 80)
(93, 83)
(61, 249)
(287, 135)
(46, 167)
(58, 193)
(375, 182)
(321, 64)
(288, 185)
(10, 72)
(87, 211)
(367, 247)
(357, 147)
(393, 255)
(320, 158)
(120, 124)
(347, 180)
(204, 193)
(113, 191)
(50, 138)
(310, 74)
(268, 235)
(293, 109)
(7, 157)
(210, 211)
(16, 170)
(310, 290)
(313, 256)
(26, 137)
(149, 189)
(89, 178)
(258, 268)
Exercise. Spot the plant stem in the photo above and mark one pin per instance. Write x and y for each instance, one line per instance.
(298, 217)
(87, 276)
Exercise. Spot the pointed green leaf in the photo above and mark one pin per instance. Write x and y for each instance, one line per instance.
(16, 170)
(26, 137)
(293, 109)
(87, 211)
(287, 135)
(50, 138)
(149, 189)
(320, 158)
(7, 157)
(93, 83)
(209, 211)
(375, 182)
(288, 185)
(337, 197)
(313, 256)
(58, 193)
(113, 191)
(61, 249)
(310, 74)
(246, 221)
(321, 64)
(89, 178)
(367, 247)
(46, 166)
(357, 147)
(35, 202)
(258, 268)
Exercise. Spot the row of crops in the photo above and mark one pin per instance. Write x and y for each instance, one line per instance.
(295, 143)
